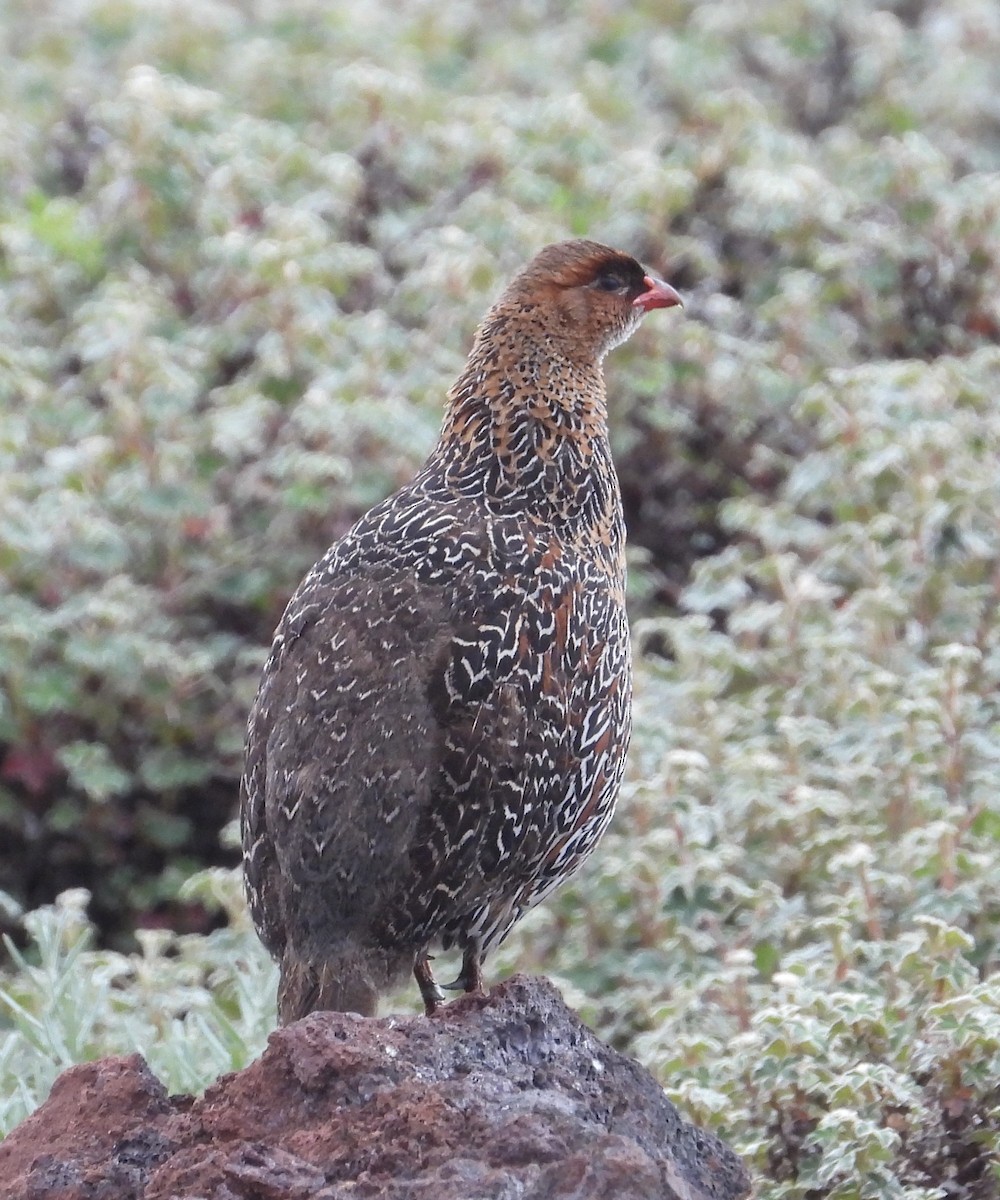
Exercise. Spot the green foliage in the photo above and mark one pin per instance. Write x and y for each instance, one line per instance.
(241, 255)
(193, 1006)
(794, 918)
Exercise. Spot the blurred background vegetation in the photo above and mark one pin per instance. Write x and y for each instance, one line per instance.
(243, 247)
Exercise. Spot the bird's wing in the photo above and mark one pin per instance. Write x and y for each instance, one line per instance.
(341, 750)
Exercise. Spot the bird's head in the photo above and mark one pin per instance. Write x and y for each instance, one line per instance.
(585, 297)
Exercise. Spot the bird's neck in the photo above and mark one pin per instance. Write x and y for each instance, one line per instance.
(527, 432)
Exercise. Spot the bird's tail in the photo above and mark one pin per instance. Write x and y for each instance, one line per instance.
(349, 978)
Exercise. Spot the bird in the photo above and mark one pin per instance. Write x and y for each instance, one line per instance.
(440, 730)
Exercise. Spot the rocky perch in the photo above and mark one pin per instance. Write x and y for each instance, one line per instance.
(507, 1097)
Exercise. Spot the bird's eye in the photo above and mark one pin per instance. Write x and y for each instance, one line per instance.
(609, 281)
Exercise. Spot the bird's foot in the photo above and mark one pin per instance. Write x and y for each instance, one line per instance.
(470, 978)
(430, 990)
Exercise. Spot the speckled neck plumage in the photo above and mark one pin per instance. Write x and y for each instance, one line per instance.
(527, 430)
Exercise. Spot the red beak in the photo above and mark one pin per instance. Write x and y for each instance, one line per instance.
(660, 295)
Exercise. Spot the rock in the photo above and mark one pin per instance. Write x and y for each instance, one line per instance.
(507, 1097)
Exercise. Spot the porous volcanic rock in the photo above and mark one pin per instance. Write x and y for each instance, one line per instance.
(507, 1097)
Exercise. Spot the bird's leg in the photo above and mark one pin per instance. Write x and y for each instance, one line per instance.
(430, 991)
(470, 978)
